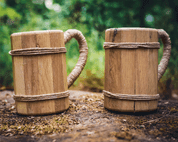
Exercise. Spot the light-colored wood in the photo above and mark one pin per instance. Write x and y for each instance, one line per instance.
(127, 64)
(59, 70)
(40, 74)
(61, 104)
(153, 62)
(127, 69)
(132, 71)
(112, 65)
(118, 105)
(58, 62)
(45, 70)
(112, 83)
(147, 70)
(114, 74)
(40, 108)
(18, 69)
(142, 61)
(21, 107)
(30, 64)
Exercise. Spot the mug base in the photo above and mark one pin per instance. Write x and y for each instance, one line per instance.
(130, 105)
(44, 107)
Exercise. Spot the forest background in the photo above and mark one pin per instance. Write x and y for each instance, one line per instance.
(92, 18)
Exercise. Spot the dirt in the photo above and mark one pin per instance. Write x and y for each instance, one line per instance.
(88, 120)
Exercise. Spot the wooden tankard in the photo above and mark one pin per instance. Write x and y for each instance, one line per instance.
(39, 70)
(131, 68)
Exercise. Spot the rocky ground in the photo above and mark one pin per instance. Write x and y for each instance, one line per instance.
(88, 120)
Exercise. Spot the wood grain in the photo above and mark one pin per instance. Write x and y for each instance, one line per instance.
(128, 69)
(18, 69)
(127, 64)
(119, 70)
(142, 60)
(59, 70)
(153, 62)
(45, 73)
(30, 65)
(147, 70)
(58, 62)
(131, 71)
(118, 105)
(112, 64)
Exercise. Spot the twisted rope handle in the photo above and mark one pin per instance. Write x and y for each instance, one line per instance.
(166, 52)
(83, 49)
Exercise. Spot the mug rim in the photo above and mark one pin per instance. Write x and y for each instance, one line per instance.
(132, 28)
(35, 32)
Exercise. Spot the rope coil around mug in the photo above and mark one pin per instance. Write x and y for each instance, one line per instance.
(52, 96)
(131, 97)
(132, 45)
(37, 51)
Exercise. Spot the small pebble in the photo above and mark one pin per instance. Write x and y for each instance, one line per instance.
(124, 120)
(7, 134)
(19, 127)
(166, 103)
(90, 99)
(11, 135)
(37, 133)
(157, 138)
(21, 133)
(8, 96)
(53, 135)
(120, 135)
(33, 127)
(142, 126)
(90, 133)
(12, 107)
(9, 130)
(4, 102)
(123, 128)
(84, 107)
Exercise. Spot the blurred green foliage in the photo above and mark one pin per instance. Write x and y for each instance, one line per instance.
(92, 18)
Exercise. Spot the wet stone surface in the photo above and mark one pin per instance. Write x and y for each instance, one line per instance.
(88, 120)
